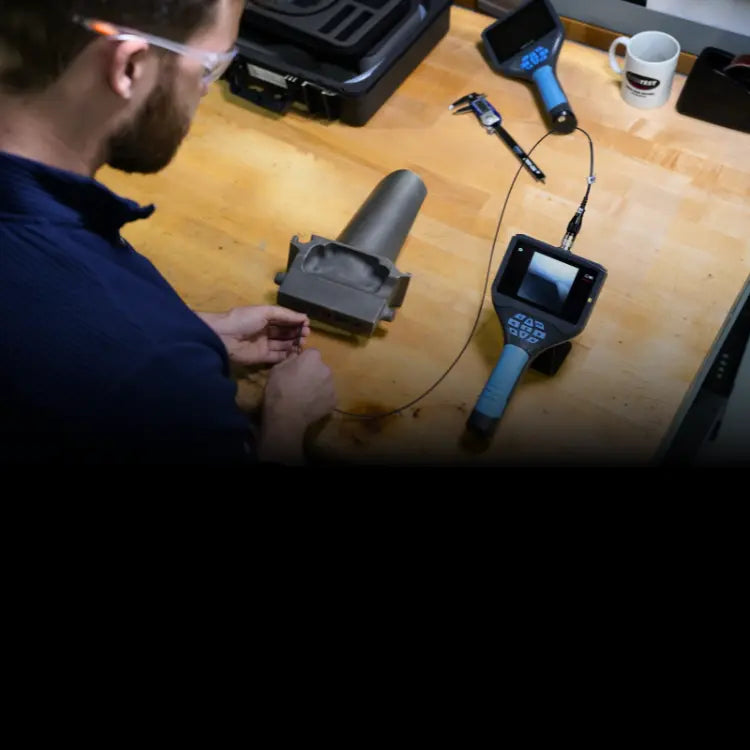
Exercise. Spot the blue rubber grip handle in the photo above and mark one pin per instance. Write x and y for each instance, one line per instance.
(549, 88)
(502, 381)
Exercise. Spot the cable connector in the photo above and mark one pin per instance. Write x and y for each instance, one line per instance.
(574, 227)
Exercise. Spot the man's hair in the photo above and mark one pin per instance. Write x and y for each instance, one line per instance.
(39, 39)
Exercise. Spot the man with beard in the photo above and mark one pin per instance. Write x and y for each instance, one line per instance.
(100, 360)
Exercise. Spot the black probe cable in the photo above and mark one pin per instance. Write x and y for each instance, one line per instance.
(573, 228)
(574, 225)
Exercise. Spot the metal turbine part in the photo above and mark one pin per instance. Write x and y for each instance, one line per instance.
(352, 283)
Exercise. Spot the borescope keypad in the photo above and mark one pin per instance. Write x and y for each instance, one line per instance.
(527, 328)
(530, 61)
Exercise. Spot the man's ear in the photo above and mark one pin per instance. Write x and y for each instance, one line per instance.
(130, 66)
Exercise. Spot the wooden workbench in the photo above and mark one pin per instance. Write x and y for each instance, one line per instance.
(669, 217)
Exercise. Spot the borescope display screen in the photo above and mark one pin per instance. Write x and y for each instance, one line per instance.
(519, 30)
(548, 283)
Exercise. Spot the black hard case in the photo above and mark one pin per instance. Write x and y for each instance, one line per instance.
(275, 82)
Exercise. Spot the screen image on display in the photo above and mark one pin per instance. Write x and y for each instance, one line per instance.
(547, 282)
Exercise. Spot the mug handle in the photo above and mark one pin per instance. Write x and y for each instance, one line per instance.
(613, 53)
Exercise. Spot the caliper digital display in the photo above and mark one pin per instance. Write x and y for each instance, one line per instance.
(543, 296)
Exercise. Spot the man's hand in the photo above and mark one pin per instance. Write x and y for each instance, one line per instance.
(300, 391)
(260, 335)
(300, 388)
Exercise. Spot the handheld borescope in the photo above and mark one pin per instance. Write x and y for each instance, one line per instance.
(526, 45)
(543, 296)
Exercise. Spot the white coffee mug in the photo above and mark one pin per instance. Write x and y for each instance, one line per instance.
(650, 63)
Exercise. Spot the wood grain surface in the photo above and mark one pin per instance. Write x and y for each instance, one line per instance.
(669, 217)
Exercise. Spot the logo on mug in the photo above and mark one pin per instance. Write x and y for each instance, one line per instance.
(642, 83)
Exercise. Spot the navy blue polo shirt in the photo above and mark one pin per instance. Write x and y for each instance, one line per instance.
(100, 359)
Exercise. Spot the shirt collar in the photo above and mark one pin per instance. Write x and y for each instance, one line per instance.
(44, 193)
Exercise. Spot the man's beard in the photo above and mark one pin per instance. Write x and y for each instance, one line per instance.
(149, 143)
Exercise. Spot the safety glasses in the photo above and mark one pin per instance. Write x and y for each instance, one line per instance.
(214, 64)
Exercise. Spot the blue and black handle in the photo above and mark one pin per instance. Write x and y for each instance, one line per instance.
(494, 398)
(561, 117)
